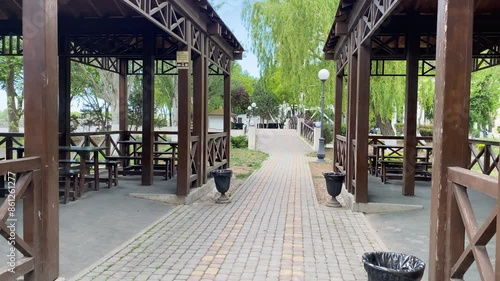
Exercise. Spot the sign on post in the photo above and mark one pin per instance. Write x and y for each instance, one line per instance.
(182, 60)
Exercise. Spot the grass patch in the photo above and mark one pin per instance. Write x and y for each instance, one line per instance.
(328, 153)
(244, 161)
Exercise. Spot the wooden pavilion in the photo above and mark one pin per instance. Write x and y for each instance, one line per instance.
(128, 37)
(448, 38)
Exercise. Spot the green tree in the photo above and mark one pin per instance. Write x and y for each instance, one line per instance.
(288, 37)
(11, 80)
(267, 103)
(165, 95)
(485, 98)
(239, 100)
(387, 96)
(134, 113)
(426, 95)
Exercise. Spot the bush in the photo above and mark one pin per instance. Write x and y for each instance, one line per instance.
(426, 130)
(328, 134)
(239, 142)
(343, 130)
(399, 128)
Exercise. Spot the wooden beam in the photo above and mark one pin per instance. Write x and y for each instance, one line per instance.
(351, 118)
(205, 108)
(184, 128)
(410, 133)
(341, 28)
(356, 17)
(123, 96)
(329, 56)
(337, 130)
(64, 99)
(214, 29)
(227, 114)
(41, 122)
(199, 110)
(237, 55)
(123, 106)
(148, 108)
(451, 119)
(362, 122)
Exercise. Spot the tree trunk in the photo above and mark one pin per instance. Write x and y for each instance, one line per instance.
(385, 125)
(13, 114)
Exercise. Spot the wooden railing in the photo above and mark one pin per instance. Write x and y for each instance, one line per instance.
(10, 140)
(26, 187)
(109, 140)
(164, 135)
(484, 155)
(462, 221)
(341, 153)
(376, 139)
(216, 151)
(194, 168)
(308, 133)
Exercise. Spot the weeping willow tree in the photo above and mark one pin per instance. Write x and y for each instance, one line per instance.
(387, 96)
(287, 38)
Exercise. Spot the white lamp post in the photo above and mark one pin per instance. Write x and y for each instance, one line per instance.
(251, 109)
(323, 75)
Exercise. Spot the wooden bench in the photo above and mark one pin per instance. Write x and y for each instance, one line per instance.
(69, 176)
(111, 166)
(168, 168)
(394, 170)
(376, 168)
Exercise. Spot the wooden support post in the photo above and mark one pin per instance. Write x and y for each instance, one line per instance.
(410, 141)
(184, 119)
(337, 126)
(362, 123)
(227, 115)
(64, 98)
(41, 123)
(199, 111)
(205, 110)
(148, 108)
(451, 119)
(123, 99)
(351, 119)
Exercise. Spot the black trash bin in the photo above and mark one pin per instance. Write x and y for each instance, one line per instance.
(222, 182)
(334, 182)
(387, 266)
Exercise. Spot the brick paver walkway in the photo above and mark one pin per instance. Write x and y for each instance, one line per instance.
(273, 230)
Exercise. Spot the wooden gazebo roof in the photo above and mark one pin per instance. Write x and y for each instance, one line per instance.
(387, 21)
(126, 9)
(114, 29)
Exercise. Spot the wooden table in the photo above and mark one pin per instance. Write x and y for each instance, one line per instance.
(395, 151)
(83, 152)
(131, 152)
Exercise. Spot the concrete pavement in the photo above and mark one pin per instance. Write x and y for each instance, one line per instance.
(273, 230)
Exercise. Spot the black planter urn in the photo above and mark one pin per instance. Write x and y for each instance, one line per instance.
(222, 182)
(334, 182)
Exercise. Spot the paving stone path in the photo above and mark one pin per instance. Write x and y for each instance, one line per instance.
(273, 230)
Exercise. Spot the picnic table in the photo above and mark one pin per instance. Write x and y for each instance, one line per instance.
(84, 153)
(132, 153)
(387, 161)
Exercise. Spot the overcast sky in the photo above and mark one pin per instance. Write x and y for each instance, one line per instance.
(231, 15)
